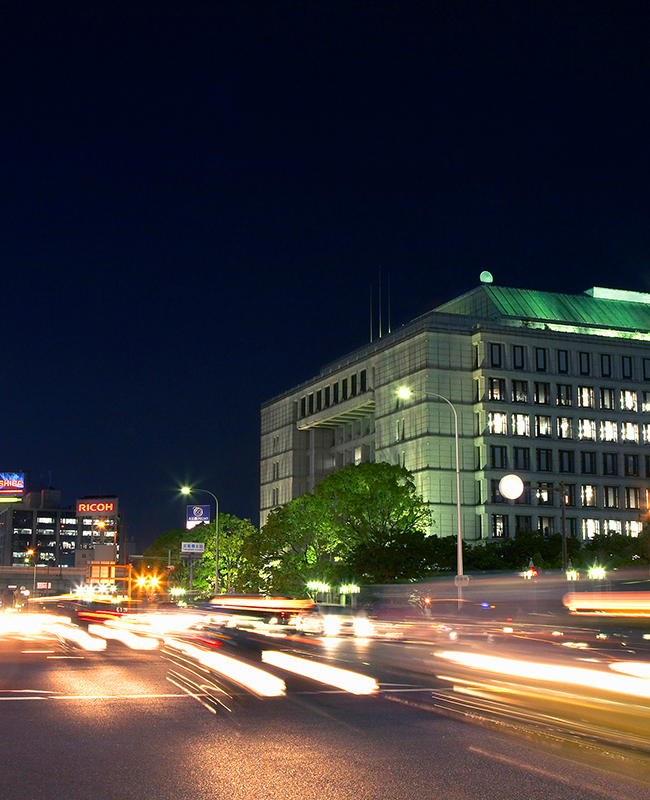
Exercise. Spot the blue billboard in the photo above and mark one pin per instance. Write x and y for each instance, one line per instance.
(197, 515)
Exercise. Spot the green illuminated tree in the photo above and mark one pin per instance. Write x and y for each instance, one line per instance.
(233, 533)
(364, 522)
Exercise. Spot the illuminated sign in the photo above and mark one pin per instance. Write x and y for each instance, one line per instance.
(197, 515)
(97, 506)
(192, 547)
(12, 483)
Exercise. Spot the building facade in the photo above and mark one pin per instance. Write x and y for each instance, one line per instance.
(552, 387)
(57, 536)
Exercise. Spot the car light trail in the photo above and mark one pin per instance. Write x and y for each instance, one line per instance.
(639, 669)
(127, 638)
(83, 639)
(255, 680)
(552, 673)
(344, 679)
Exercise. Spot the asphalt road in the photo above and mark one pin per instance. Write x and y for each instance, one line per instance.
(78, 725)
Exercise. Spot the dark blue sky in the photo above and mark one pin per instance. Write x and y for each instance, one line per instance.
(196, 197)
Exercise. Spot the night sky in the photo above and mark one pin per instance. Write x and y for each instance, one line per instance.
(195, 199)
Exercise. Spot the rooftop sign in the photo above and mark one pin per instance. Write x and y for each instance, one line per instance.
(97, 507)
(12, 483)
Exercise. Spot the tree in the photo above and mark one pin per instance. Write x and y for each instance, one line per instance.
(380, 521)
(233, 575)
(297, 544)
(365, 522)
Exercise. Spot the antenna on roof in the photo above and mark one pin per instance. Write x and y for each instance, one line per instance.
(380, 302)
(389, 302)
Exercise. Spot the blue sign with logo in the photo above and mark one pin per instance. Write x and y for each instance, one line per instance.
(197, 515)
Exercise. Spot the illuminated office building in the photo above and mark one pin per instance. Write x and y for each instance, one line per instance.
(57, 535)
(553, 387)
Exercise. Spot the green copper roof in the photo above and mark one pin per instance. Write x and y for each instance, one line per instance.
(573, 309)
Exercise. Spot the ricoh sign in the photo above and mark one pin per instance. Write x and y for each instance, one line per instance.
(97, 507)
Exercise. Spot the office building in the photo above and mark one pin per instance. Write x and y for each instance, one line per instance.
(56, 536)
(553, 387)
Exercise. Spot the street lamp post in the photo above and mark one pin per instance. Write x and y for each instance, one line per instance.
(561, 490)
(32, 554)
(188, 490)
(460, 578)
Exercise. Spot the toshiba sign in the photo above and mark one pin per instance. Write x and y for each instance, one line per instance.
(97, 507)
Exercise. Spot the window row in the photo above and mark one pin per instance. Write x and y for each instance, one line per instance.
(543, 426)
(337, 392)
(584, 495)
(500, 524)
(540, 393)
(546, 460)
(565, 362)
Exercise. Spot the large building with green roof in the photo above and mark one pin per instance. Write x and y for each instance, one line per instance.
(552, 387)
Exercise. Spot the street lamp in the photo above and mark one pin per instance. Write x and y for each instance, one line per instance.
(188, 490)
(404, 394)
(32, 554)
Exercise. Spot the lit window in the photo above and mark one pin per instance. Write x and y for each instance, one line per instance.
(565, 428)
(499, 526)
(633, 527)
(498, 423)
(628, 401)
(590, 528)
(607, 399)
(45, 519)
(646, 432)
(608, 431)
(587, 429)
(632, 497)
(543, 393)
(629, 432)
(564, 394)
(645, 405)
(520, 425)
(546, 525)
(612, 526)
(589, 496)
(585, 397)
(610, 496)
(543, 427)
(496, 389)
(520, 391)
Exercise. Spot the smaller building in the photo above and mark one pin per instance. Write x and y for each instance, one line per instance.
(38, 530)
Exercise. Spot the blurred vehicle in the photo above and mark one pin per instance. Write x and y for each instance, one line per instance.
(335, 620)
(274, 611)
